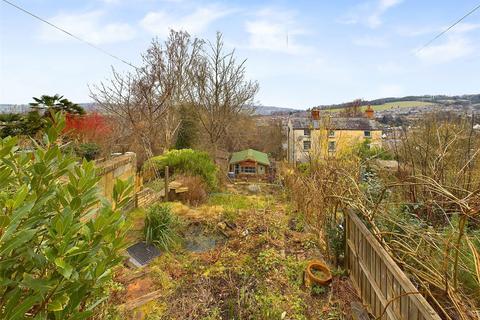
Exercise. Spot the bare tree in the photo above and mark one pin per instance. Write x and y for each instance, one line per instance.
(145, 101)
(219, 91)
(354, 109)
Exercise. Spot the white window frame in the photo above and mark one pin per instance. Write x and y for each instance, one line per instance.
(305, 142)
(331, 133)
(248, 170)
(330, 144)
(367, 134)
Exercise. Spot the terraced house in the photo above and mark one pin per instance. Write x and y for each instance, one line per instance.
(327, 136)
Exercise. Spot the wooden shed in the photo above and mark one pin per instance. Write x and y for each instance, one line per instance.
(249, 163)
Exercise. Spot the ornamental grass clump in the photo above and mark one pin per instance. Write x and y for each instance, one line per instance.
(162, 227)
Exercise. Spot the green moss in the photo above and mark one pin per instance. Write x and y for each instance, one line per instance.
(294, 270)
(317, 290)
(230, 201)
(213, 314)
(268, 260)
(269, 305)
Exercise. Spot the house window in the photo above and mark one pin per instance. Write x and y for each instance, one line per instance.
(307, 145)
(331, 133)
(306, 132)
(367, 134)
(248, 170)
(331, 146)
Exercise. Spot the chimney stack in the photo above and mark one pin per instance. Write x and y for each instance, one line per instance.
(315, 114)
(369, 112)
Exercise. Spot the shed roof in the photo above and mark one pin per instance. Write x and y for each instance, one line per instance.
(337, 123)
(250, 154)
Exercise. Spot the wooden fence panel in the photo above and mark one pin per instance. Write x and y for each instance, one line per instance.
(382, 285)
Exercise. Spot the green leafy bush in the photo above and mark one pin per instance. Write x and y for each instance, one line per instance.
(336, 240)
(188, 162)
(59, 240)
(365, 151)
(162, 226)
(22, 124)
(89, 151)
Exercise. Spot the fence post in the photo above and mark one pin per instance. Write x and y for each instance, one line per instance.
(167, 190)
(346, 255)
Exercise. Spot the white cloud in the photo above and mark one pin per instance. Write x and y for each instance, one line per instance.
(415, 31)
(370, 13)
(410, 31)
(111, 1)
(391, 67)
(275, 30)
(453, 48)
(464, 27)
(89, 26)
(161, 22)
(371, 42)
(456, 45)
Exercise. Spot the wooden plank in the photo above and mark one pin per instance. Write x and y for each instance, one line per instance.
(383, 278)
(138, 302)
(396, 292)
(347, 251)
(404, 305)
(412, 311)
(403, 281)
(383, 302)
(378, 279)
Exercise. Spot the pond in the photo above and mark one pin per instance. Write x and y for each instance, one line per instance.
(199, 238)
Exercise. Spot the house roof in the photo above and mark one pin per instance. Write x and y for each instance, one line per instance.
(337, 123)
(250, 154)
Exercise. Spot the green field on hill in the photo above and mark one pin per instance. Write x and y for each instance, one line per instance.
(392, 105)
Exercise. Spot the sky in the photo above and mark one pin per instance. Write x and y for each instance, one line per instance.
(302, 53)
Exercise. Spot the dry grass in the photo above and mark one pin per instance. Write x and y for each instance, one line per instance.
(197, 189)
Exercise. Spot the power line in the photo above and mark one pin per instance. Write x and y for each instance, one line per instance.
(70, 34)
(448, 29)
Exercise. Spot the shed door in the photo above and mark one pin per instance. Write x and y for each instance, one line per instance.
(261, 170)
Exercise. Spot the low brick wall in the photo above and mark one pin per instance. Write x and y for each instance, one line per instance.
(120, 167)
(146, 197)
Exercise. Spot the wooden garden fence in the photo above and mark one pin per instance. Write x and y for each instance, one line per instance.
(382, 285)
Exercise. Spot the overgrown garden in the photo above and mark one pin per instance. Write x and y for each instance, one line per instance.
(424, 211)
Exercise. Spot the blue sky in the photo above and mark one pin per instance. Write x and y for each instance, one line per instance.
(337, 50)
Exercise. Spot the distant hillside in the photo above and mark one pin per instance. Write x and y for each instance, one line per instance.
(392, 105)
(20, 108)
(411, 101)
(259, 110)
(270, 110)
